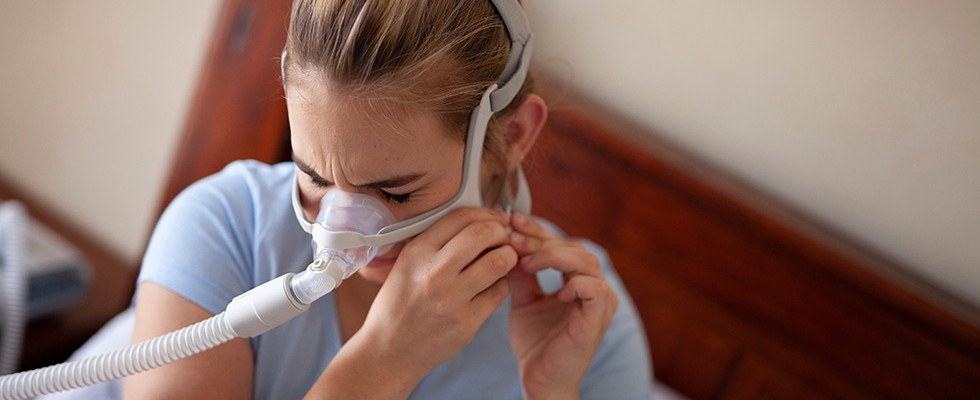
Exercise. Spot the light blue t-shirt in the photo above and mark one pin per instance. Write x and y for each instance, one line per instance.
(236, 230)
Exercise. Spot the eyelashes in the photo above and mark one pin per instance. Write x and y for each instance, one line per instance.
(398, 198)
(319, 183)
(389, 197)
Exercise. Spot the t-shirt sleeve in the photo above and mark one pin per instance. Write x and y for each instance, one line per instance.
(200, 248)
(621, 368)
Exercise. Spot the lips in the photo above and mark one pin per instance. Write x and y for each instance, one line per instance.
(381, 262)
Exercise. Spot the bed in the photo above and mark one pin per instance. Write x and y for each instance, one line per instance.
(740, 296)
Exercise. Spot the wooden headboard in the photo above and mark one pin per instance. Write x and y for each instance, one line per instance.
(740, 297)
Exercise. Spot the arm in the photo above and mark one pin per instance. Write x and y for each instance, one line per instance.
(371, 372)
(222, 372)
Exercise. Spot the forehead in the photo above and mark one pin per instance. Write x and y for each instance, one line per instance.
(316, 99)
(329, 123)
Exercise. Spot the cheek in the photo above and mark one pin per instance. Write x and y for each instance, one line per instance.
(431, 197)
(493, 176)
(309, 197)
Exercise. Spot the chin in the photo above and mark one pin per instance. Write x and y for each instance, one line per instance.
(378, 269)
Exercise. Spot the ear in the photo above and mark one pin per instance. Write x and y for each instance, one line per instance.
(523, 128)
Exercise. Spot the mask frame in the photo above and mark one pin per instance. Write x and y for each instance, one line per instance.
(495, 98)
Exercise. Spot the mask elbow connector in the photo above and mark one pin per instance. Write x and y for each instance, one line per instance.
(279, 300)
(321, 277)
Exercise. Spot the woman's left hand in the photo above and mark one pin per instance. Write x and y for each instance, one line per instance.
(555, 336)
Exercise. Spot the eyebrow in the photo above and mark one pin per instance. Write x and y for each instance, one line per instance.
(394, 182)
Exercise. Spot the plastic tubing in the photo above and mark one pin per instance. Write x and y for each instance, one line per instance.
(250, 314)
(120, 363)
(13, 243)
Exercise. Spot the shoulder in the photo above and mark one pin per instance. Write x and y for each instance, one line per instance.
(245, 177)
(232, 194)
(243, 198)
(204, 246)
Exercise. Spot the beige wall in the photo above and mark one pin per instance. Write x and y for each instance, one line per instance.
(865, 115)
(92, 97)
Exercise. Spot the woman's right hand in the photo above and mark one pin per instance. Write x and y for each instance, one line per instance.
(444, 285)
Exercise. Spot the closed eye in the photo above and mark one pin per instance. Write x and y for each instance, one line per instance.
(398, 181)
(320, 183)
(389, 197)
(398, 198)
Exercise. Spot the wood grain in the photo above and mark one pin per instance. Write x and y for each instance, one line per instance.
(743, 287)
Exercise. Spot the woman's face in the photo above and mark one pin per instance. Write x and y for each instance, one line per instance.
(408, 160)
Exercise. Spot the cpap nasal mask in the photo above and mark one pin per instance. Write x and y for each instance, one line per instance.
(343, 212)
(349, 230)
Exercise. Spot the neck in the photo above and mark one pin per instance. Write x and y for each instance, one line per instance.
(353, 301)
(358, 288)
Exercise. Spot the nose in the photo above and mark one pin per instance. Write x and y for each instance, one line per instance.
(347, 211)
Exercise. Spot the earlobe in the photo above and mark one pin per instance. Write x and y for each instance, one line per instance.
(524, 127)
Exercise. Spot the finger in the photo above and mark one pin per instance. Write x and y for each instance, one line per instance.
(525, 244)
(476, 238)
(488, 300)
(489, 268)
(524, 287)
(567, 258)
(593, 293)
(528, 226)
(449, 226)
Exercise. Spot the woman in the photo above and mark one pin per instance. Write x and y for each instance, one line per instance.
(380, 95)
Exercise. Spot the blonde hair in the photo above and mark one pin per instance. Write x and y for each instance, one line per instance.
(438, 56)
